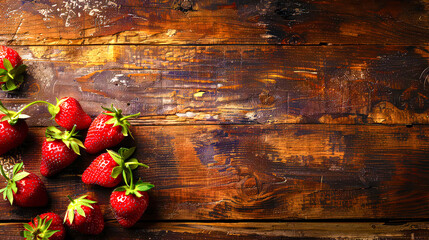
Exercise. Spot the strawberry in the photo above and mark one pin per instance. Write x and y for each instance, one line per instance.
(107, 168)
(25, 189)
(11, 69)
(84, 215)
(13, 129)
(59, 150)
(107, 130)
(47, 226)
(68, 113)
(130, 202)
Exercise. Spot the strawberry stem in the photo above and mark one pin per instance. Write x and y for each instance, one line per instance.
(131, 178)
(71, 199)
(28, 105)
(129, 116)
(125, 176)
(71, 133)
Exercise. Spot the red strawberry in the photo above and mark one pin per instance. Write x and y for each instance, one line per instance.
(11, 69)
(68, 113)
(107, 168)
(84, 215)
(59, 150)
(107, 130)
(47, 226)
(24, 189)
(130, 202)
(13, 129)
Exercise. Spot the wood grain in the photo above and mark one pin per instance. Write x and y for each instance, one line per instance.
(249, 230)
(72, 22)
(274, 172)
(232, 84)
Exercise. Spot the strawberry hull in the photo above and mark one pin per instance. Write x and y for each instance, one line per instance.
(11, 69)
(100, 172)
(101, 135)
(128, 209)
(91, 223)
(37, 230)
(55, 157)
(11, 55)
(71, 113)
(31, 192)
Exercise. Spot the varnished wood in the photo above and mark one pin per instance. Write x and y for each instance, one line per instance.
(232, 84)
(248, 230)
(226, 89)
(72, 22)
(281, 172)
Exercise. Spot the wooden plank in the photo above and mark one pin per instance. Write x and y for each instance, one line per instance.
(233, 84)
(72, 22)
(281, 172)
(249, 230)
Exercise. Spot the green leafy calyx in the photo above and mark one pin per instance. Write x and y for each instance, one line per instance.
(122, 158)
(11, 187)
(119, 120)
(130, 187)
(11, 77)
(55, 109)
(140, 186)
(39, 229)
(68, 137)
(77, 204)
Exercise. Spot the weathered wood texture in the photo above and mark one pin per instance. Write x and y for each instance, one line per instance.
(277, 172)
(58, 22)
(214, 71)
(233, 84)
(248, 230)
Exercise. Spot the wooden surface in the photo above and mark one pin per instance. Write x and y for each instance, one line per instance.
(259, 119)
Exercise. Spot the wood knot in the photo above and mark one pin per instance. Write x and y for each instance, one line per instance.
(250, 187)
(183, 5)
(294, 39)
(266, 98)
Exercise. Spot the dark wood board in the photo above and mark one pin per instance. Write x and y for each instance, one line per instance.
(73, 22)
(277, 119)
(273, 172)
(248, 230)
(232, 84)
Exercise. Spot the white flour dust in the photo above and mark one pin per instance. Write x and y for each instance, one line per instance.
(71, 9)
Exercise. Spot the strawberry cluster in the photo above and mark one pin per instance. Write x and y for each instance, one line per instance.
(62, 148)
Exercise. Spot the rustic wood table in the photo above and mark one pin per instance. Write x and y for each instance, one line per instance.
(274, 119)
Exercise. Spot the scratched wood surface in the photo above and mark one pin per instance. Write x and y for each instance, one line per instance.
(233, 84)
(75, 22)
(294, 119)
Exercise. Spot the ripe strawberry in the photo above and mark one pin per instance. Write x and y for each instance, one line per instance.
(68, 113)
(107, 168)
(84, 215)
(59, 150)
(47, 226)
(11, 69)
(24, 189)
(130, 202)
(13, 129)
(107, 130)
